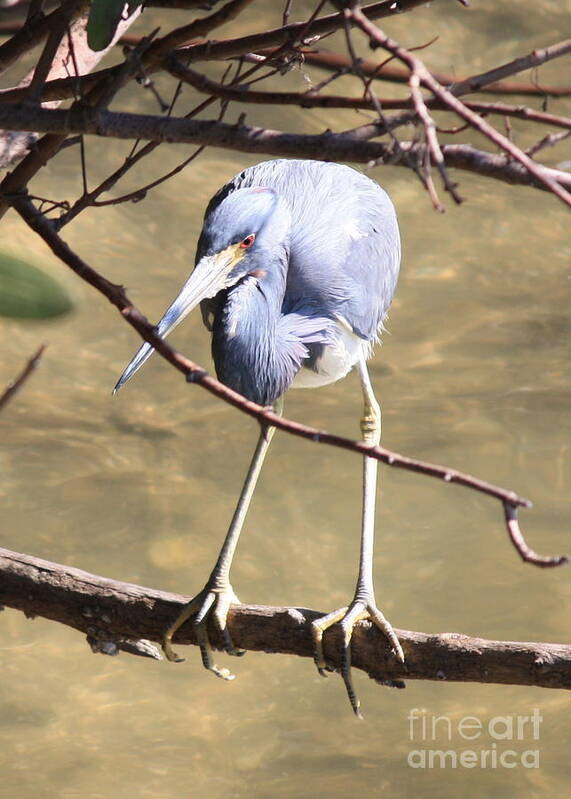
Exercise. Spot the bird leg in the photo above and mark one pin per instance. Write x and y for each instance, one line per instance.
(217, 595)
(363, 605)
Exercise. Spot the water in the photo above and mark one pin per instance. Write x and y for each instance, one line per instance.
(474, 373)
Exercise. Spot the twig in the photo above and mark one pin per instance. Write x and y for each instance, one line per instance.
(44, 65)
(197, 29)
(527, 554)
(15, 385)
(31, 34)
(312, 98)
(534, 59)
(393, 74)
(141, 192)
(123, 616)
(286, 11)
(547, 141)
(370, 95)
(293, 32)
(379, 39)
(83, 59)
(431, 141)
(134, 157)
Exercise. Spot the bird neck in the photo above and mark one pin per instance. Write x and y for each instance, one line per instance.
(250, 351)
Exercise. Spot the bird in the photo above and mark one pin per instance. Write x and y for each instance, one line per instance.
(295, 270)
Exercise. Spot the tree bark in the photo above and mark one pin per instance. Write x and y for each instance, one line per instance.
(116, 615)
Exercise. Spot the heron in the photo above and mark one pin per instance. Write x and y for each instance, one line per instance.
(295, 270)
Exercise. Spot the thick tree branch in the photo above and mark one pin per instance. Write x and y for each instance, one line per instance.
(263, 141)
(116, 615)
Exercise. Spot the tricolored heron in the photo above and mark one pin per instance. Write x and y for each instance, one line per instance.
(295, 270)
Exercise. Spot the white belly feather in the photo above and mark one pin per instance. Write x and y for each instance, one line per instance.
(336, 361)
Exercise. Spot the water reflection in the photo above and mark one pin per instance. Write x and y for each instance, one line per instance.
(474, 373)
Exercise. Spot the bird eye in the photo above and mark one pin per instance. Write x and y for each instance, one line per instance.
(248, 241)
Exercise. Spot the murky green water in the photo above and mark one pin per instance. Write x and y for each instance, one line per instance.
(474, 374)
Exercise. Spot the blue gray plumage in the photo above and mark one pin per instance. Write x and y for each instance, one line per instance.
(295, 270)
(325, 260)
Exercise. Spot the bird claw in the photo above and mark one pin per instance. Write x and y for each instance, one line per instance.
(348, 617)
(213, 602)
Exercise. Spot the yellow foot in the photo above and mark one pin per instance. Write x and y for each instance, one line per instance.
(348, 617)
(213, 602)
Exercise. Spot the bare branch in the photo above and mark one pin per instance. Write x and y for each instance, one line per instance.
(486, 82)
(44, 65)
(379, 39)
(550, 140)
(534, 59)
(123, 616)
(33, 33)
(15, 385)
(250, 139)
(312, 98)
(72, 58)
(91, 198)
(432, 142)
(229, 48)
(526, 553)
(197, 29)
(464, 156)
(290, 34)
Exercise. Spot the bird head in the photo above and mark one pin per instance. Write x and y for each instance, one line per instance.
(239, 237)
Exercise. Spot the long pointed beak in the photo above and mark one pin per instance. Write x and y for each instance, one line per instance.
(210, 276)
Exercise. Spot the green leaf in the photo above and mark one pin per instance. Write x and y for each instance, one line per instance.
(104, 16)
(28, 293)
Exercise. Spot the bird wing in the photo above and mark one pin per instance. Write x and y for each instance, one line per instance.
(345, 244)
(372, 265)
